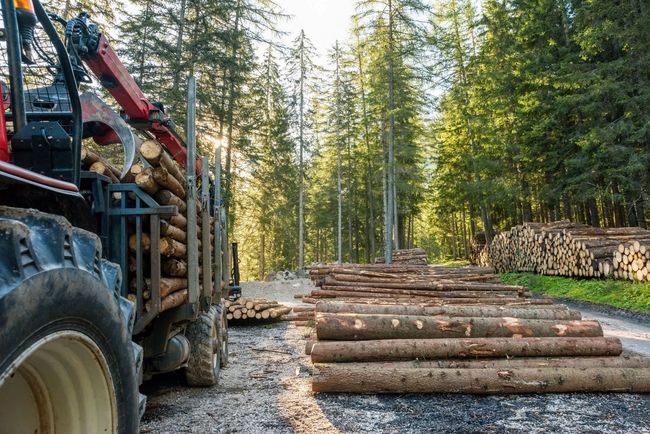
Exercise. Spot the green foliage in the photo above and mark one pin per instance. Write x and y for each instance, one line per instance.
(545, 115)
(619, 294)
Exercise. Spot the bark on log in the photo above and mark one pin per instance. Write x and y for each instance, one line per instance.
(179, 221)
(171, 231)
(145, 242)
(369, 327)
(154, 153)
(174, 267)
(335, 291)
(166, 197)
(522, 362)
(104, 169)
(428, 285)
(169, 285)
(89, 157)
(146, 182)
(264, 306)
(451, 311)
(361, 297)
(172, 248)
(370, 299)
(373, 379)
(277, 312)
(165, 180)
(428, 349)
(173, 300)
(136, 169)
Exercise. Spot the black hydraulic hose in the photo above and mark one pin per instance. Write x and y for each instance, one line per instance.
(12, 34)
(71, 84)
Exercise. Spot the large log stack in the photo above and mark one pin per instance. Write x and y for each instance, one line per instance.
(164, 180)
(455, 330)
(573, 250)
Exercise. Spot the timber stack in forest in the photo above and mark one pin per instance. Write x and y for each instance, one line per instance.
(164, 179)
(478, 254)
(400, 329)
(573, 250)
(416, 256)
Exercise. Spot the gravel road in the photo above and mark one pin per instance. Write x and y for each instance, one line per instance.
(266, 389)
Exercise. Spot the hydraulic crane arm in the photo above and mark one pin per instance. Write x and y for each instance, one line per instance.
(94, 49)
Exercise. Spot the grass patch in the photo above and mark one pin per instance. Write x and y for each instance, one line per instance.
(616, 293)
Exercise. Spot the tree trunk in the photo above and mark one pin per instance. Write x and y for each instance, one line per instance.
(450, 311)
(370, 327)
(173, 300)
(431, 349)
(230, 117)
(365, 378)
(301, 181)
(369, 168)
(339, 222)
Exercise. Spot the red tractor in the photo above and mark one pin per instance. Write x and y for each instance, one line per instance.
(85, 315)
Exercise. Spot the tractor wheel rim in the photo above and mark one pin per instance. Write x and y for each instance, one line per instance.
(61, 383)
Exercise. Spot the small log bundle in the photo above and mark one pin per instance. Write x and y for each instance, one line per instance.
(573, 250)
(254, 309)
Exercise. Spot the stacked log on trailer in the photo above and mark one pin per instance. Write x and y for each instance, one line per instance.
(483, 344)
(416, 256)
(573, 250)
(163, 179)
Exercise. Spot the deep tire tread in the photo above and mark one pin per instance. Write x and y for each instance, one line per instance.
(200, 370)
(41, 241)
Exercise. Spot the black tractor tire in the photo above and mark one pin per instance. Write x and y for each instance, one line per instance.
(63, 323)
(223, 333)
(204, 363)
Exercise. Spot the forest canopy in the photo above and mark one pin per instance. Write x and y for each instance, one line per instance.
(433, 121)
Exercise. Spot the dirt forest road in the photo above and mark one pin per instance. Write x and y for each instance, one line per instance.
(267, 389)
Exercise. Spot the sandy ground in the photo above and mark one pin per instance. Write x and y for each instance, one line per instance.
(266, 389)
(634, 333)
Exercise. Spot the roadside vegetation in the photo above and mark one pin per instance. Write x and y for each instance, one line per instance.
(620, 294)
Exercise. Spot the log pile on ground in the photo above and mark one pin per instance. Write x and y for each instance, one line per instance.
(492, 339)
(415, 256)
(431, 284)
(573, 250)
(259, 309)
(164, 179)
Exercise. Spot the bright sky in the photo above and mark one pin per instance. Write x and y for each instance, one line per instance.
(324, 21)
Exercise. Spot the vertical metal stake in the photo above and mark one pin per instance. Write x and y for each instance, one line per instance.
(218, 274)
(205, 233)
(192, 240)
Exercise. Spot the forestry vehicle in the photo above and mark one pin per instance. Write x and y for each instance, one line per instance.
(85, 311)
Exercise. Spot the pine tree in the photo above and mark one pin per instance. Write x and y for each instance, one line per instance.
(302, 70)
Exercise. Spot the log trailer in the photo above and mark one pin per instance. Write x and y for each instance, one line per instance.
(84, 316)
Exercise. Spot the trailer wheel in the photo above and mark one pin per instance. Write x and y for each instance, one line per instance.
(223, 331)
(66, 355)
(204, 363)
